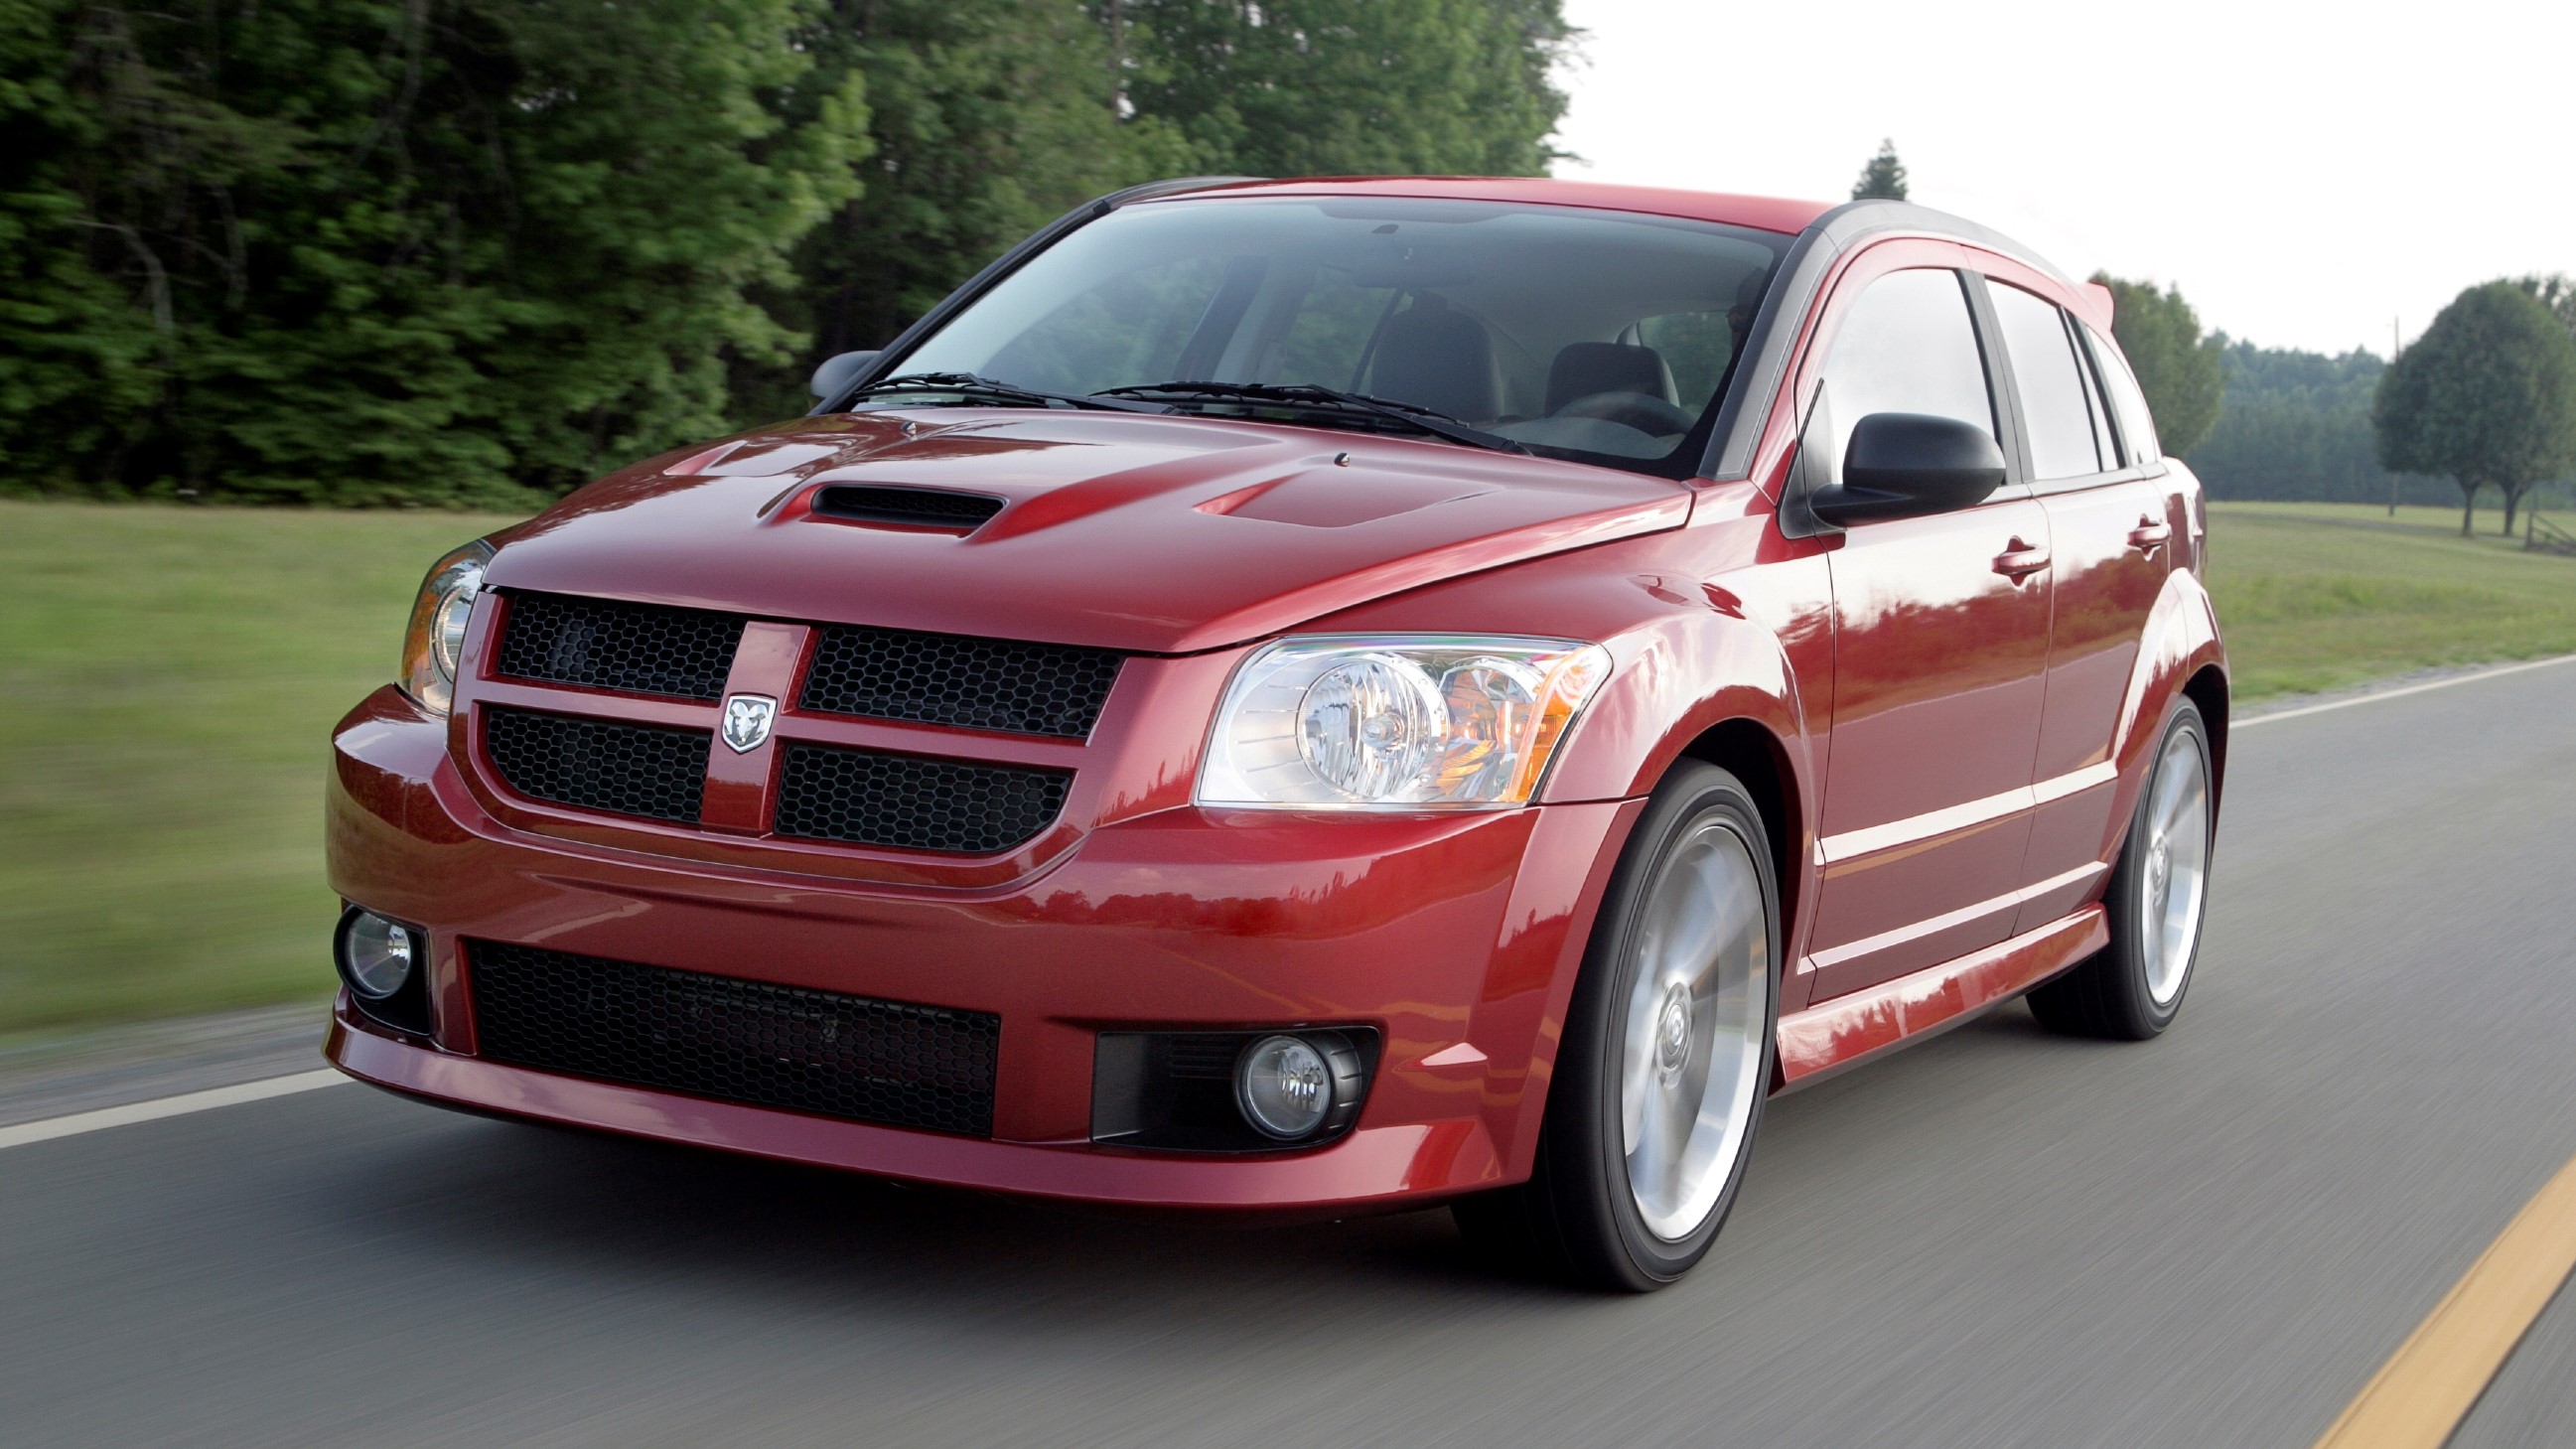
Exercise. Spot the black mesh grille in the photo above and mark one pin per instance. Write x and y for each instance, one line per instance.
(1207, 1057)
(908, 803)
(742, 1041)
(948, 679)
(599, 764)
(604, 644)
(923, 507)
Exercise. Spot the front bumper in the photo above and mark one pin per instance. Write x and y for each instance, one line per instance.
(1456, 937)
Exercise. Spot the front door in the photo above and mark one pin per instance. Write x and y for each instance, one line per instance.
(1941, 639)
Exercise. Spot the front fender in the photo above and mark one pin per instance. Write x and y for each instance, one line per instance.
(1675, 678)
(1719, 625)
(1720, 620)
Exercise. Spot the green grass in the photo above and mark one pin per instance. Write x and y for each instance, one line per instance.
(2319, 595)
(168, 682)
(169, 677)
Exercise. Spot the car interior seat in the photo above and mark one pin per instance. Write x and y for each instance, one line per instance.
(1435, 357)
(1584, 368)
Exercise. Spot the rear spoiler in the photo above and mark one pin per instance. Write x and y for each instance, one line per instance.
(2094, 301)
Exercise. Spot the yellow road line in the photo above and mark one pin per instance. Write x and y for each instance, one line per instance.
(2420, 1395)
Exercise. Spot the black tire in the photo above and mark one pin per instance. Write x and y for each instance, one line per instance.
(1577, 1219)
(2108, 995)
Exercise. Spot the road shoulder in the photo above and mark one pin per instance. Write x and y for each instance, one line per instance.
(116, 1066)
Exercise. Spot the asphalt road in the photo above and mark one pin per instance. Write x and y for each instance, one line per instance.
(1999, 1238)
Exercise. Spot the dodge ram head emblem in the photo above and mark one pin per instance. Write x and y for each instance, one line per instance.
(747, 719)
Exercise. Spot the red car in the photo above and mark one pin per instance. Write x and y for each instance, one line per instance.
(1306, 697)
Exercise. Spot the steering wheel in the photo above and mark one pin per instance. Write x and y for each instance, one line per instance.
(1644, 412)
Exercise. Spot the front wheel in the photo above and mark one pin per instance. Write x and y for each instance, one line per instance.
(2159, 893)
(1667, 1053)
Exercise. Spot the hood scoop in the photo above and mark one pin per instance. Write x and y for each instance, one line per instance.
(905, 507)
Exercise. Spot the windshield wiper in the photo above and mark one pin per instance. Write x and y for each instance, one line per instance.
(1314, 398)
(993, 391)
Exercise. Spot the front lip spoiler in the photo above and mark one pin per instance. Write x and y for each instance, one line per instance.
(1393, 1168)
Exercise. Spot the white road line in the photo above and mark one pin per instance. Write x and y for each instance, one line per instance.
(2496, 673)
(160, 1107)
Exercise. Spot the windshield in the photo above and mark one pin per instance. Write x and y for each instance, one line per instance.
(1601, 336)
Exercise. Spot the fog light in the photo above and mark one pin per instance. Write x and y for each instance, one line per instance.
(1285, 1087)
(376, 956)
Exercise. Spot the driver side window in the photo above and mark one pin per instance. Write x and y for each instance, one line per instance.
(1907, 345)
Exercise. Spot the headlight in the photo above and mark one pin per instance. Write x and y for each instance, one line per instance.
(438, 619)
(1396, 722)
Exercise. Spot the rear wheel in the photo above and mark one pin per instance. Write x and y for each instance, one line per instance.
(1666, 1059)
(2159, 894)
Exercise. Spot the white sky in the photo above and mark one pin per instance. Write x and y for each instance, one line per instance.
(2305, 172)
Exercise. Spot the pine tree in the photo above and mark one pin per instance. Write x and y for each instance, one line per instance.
(2557, 292)
(352, 251)
(986, 121)
(79, 351)
(2296, 425)
(1352, 87)
(450, 251)
(1883, 179)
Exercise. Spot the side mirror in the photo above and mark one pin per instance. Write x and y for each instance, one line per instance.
(1902, 465)
(839, 372)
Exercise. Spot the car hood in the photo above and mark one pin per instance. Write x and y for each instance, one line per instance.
(1135, 532)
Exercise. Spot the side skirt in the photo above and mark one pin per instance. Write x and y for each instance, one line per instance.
(1833, 1035)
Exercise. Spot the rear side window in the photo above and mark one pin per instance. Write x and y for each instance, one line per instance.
(2046, 374)
(1906, 346)
(2137, 426)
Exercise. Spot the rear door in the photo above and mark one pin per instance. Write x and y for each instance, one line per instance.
(1941, 638)
(2112, 546)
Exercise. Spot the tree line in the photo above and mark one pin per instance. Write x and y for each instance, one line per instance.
(478, 251)
(2485, 399)
(2255, 422)
(2296, 425)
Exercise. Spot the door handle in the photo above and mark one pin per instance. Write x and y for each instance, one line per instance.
(2019, 560)
(2149, 535)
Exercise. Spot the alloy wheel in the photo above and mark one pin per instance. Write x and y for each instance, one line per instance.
(1693, 1056)
(2176, 867)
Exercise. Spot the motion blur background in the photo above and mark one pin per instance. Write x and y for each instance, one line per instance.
(295, 296)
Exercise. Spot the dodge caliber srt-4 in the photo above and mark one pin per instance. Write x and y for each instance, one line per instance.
(1311, 697)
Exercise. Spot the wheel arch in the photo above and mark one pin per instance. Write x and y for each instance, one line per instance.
(2207, 688)
(1723, 689)
(2180, 655)
(1748, 750)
